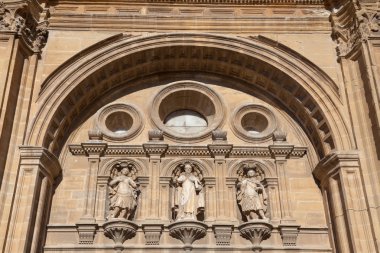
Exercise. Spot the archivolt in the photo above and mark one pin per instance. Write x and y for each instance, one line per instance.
(268, 66)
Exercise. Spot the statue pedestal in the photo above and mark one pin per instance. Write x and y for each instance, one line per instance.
(187, 231)
(119, 230)
(256, 231)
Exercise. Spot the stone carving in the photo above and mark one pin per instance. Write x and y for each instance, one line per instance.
(119, 231)
(187, 231)
(20, 19)
(256, 232)
(251, 195)
(123, 191)
(188, 195)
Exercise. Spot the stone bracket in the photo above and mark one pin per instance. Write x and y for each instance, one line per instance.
(223, 234)
(289, 234)
(152, 233)
(86, 232)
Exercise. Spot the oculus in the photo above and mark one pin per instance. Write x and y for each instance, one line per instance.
(119, 122)
(253, 123)
(187, 111)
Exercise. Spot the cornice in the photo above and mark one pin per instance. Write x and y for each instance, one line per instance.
(208, 151)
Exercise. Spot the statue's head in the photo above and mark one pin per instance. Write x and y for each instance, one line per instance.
(188, 168)
(251, 173)
(125, 171)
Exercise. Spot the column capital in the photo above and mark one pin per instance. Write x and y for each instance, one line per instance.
(155, 149)
(335, 161)
(280, 151)
(220, 150)
(39, 156)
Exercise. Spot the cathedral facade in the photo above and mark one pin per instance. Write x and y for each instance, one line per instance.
(189, 126)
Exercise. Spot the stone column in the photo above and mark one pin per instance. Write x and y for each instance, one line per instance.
(87, 225)
(101, 197)
(219, 150)
(274, 199)
(339, 174)
(155, 149)
(38, 170)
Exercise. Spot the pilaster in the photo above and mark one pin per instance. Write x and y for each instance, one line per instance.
(38, 170)
(339, 174)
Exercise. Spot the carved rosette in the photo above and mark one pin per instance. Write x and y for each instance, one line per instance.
(256, 231)
(119, 230)
(188, 232)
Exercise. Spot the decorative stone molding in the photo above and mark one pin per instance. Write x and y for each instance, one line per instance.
(187, 231)
(289, 234)
(94, 148)
(223, 234)
(86, 232)
(155, 149)
(119, 230)
(352, 25)
(256, 231)
(152, 233)
(210, 106)
(95, 135)
(119, 122)
(28, 20)
(218, 150)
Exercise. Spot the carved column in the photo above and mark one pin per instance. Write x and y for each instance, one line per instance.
(219, 152)
(339, 174)
(86, 226)
(154, 150)
(101, 197)
(210, 194)
(38, 170)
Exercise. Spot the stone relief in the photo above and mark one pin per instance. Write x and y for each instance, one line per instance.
(123, 191)
(188, 195)
(251, 195)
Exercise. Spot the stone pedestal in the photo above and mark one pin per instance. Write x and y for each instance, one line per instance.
(187, 232)
(256, 231)
(119, 230)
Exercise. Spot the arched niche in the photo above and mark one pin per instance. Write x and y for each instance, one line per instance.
(269, 180)
(303, 88)
(168, 189)
(103, 178)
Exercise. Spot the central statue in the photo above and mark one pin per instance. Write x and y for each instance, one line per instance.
(188, 194)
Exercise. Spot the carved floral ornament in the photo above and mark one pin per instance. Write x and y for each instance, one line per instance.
(22, 20)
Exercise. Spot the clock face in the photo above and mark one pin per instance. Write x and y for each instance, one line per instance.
(186, 121)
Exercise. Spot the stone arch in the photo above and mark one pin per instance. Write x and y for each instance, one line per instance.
(283, 74)
(106, 167)
(168, 169)
(269, 170)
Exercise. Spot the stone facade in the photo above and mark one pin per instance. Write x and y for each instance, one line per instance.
(195, 126)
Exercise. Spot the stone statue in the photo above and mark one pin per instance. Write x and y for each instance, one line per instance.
(123, 191)
(251, 195)
(188, 196)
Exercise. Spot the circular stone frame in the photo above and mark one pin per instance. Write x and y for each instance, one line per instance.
(208, 104)
(135, 128)
(244, 110)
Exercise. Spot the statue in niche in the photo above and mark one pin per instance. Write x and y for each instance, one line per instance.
(188, 195)
(123, 191)
(251, 195)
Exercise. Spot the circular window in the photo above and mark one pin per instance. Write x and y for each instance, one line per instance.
(253, 123)
(185, 121)
(119, 122)
(187, 111)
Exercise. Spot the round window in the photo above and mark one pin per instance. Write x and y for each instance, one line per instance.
(254, 122)
(185, 121)
(119, 122)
